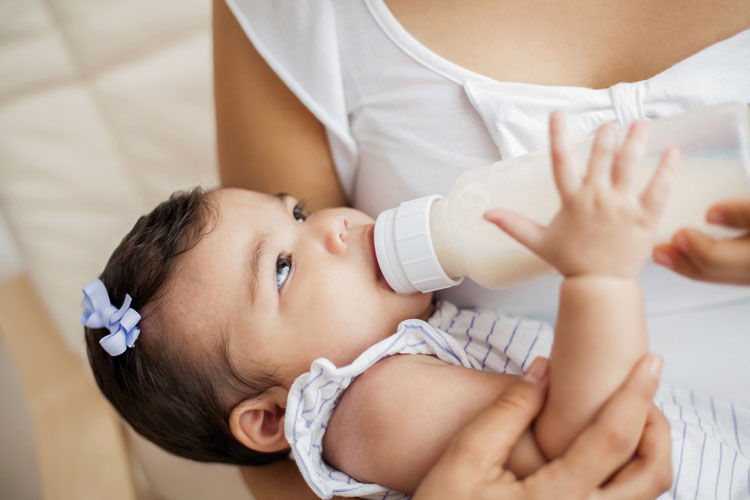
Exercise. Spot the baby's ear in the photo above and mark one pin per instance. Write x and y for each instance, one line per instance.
(258, 422)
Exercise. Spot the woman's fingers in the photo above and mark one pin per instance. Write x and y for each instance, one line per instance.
(655, 194)
(602, 154)
(698, 256)
(671, 258)
(651, 473)
(524, 230)
(732, 213)
(631, 153)
(489, 438)
(612, 437)
(472, 467)
(564, 172)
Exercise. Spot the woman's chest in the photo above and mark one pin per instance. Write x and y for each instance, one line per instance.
(586, 43)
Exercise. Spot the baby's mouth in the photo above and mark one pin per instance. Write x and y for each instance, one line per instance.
(381, 278)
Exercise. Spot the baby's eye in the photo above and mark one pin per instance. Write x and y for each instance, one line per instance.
(284, 265)
(299, 213)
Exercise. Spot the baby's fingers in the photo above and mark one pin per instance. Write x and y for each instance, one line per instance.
(602, 155)
(655, 194)
(524, 230)
(631, 153)
(565, 174)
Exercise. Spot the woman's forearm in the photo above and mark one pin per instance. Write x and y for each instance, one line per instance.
(267, 139)
(600, 335)
(278, 481)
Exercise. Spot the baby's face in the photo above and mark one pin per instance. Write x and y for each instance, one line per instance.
(286, 288)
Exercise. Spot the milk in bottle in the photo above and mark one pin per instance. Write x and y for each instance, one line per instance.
(433, 242)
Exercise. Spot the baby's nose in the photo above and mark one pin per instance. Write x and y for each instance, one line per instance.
(336, 235)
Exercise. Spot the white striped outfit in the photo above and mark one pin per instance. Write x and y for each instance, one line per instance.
(710, 437)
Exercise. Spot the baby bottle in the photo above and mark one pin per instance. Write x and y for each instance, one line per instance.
(434, 242)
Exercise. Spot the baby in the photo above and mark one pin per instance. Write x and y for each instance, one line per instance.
(266, 328)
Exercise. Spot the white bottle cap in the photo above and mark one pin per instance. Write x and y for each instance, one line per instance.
(403, 246)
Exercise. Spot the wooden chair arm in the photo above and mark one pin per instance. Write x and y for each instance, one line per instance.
(78, 439)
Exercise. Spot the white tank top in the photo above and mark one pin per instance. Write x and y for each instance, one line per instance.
(403, 122)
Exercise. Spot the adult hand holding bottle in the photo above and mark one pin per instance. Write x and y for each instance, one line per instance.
(473, 465)
(696, 255)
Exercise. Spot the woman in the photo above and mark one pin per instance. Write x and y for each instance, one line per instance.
(390, 102)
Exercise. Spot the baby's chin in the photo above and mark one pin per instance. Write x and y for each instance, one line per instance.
(429, 309)
(420, 306)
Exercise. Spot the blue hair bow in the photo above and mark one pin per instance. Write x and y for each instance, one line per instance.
(100, 313)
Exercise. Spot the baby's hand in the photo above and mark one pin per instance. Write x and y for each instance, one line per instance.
(605, 226)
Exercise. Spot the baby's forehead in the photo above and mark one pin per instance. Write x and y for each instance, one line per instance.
(215, 269)
(238, 195)
(203, 315)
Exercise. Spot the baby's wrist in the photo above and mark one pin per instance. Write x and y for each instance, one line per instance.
(626, 272)
(600, 280)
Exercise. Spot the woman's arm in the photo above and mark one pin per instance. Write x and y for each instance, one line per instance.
(278, 481)
(267, 139)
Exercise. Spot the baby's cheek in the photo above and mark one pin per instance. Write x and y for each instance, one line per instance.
(350, 339)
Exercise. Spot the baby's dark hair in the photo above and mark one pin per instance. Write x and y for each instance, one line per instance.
(175, 397)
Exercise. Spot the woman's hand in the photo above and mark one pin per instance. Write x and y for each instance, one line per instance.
(696, 255)
(473, 465)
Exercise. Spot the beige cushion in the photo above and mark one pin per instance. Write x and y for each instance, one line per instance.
(105, 109)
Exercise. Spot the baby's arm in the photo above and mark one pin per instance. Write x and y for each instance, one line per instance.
(395, 421)
(599, 242)
(599, 336)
